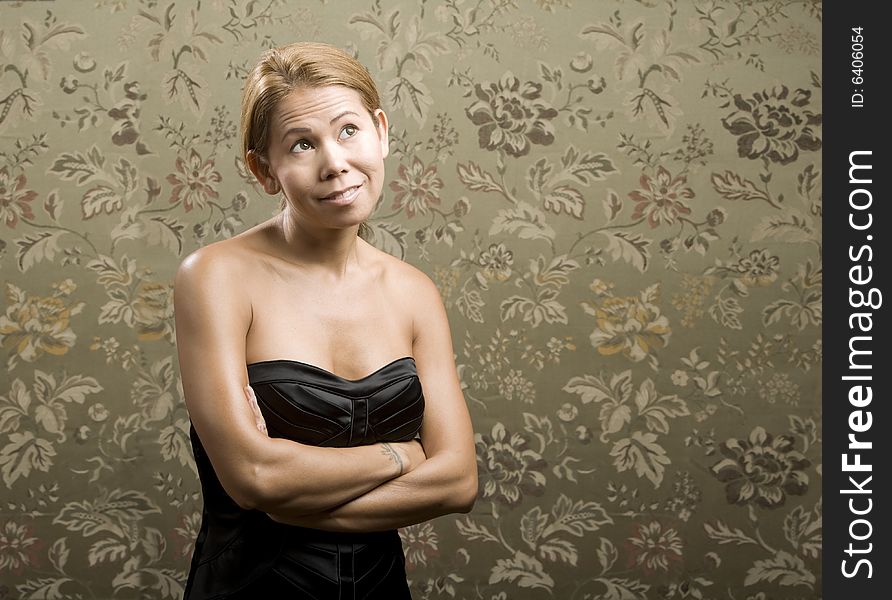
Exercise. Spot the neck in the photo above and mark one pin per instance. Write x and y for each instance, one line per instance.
(329, 252)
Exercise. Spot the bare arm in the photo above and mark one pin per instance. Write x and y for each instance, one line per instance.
(213, 315)
(447, 481)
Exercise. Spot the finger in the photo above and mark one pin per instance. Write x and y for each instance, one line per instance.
(259, 421)
(249, 393)
(252, 400)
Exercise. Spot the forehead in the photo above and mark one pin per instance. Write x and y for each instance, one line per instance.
(316, 106)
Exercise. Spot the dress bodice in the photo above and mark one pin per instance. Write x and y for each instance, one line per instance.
(242, 553)
(313, 406)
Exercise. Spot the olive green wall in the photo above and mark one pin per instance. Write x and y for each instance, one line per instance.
(619, 201)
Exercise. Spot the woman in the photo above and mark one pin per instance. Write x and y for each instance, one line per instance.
(306, 313)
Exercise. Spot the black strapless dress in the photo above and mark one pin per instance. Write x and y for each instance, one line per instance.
(243, 554)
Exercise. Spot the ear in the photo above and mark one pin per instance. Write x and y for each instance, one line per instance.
(260, 168)
(383, 133)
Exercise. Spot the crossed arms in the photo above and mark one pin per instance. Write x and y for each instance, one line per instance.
(366, 488)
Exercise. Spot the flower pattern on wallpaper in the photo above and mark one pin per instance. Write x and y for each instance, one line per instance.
(511, 116)
(620, 205)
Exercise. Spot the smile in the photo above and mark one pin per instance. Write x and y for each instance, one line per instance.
(344, 196)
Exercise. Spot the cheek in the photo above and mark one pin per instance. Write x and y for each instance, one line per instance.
(372, 146)
(296, 184)
(293, 180)
(297, 170)
(372, 161)
(375, 173)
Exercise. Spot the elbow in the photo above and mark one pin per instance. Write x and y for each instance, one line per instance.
(467, 505)
(251, 489)
(244, 502)
(466, 495)
(247, 499)
(259, 489)
(246, 490)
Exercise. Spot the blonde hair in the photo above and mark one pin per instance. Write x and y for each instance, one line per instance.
(282, 70)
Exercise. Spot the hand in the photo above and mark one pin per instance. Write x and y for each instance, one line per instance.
(255, 408)
(411, 453)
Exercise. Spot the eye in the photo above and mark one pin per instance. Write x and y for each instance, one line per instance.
(348, 131)
(301, 146)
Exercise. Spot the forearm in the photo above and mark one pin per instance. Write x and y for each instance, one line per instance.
(295, 479)
(437, 487)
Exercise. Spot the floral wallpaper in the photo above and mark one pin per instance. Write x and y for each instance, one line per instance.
(619, 201)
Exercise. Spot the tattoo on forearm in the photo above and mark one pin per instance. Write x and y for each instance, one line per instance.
(393, 454)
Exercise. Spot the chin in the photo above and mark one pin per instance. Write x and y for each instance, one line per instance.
(353, 220)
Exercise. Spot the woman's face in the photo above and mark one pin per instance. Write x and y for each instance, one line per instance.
(327, 154)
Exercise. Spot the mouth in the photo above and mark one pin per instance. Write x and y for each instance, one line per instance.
(343, 196)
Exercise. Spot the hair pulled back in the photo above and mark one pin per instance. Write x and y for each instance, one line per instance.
(282, 70)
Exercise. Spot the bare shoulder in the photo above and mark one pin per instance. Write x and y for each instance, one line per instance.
(226, 261)
(414, 295)
(407, 281)
(215, 283)
(217, 259)
(213, 305)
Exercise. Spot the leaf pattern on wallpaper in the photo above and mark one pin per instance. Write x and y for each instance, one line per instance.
(620, 205)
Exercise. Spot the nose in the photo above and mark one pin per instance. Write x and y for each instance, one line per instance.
(333, 161)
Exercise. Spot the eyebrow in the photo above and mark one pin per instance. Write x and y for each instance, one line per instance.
(307, 129)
